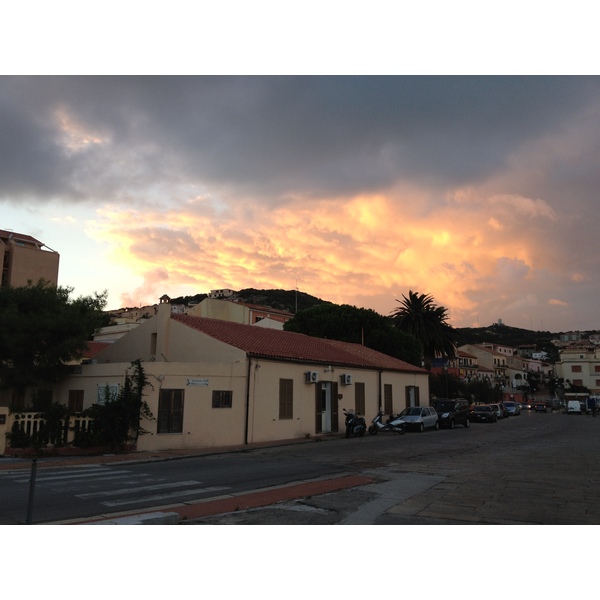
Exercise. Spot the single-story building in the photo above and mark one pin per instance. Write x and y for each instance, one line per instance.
(219, 383)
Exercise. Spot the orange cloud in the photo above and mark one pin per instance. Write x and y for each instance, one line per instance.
(367, 250)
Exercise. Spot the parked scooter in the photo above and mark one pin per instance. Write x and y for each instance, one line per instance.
(394, 424)
(354, 425)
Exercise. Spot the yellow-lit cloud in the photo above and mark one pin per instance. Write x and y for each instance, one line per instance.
(555, 302)
(346, 250)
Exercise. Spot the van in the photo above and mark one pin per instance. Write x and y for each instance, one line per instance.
(573, 407)
(452, 412)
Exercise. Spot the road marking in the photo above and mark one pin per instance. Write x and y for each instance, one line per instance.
(133, 490)
(59, 478)
(160, 497)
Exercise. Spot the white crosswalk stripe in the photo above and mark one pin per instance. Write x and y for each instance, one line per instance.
(162, 497)
(141, 487)
(137, 489)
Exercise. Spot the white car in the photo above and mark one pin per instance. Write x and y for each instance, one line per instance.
(420, 418)
(499, 412)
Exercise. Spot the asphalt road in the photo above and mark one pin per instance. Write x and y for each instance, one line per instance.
(73, 492)
(536, 468)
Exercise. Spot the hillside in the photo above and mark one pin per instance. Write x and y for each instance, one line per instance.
(290, 300)
(508, 336)
(293, 301)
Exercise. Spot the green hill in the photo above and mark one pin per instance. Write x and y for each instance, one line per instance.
(294, 300)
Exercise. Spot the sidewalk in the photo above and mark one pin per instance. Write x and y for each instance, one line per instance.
(11, 463)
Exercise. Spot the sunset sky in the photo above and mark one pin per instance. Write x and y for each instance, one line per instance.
(481, 191)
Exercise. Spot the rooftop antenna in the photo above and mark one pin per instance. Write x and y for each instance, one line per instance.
(296, 293)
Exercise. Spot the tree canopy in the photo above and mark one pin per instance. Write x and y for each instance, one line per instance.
(419, 316)
(42, 329)
(357, 325)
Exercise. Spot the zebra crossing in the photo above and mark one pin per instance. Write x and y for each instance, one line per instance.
(113, 488)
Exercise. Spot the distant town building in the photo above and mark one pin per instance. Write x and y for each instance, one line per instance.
(570, 336)
(226, 293)
(240, 312)
(26, 259)
(579, 367)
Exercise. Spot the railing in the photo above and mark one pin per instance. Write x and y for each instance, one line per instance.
(32, 429)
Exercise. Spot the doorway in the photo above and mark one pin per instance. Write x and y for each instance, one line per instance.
(326, 407)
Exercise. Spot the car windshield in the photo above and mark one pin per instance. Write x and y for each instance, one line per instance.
(483, 408)
(410, 412)
(509, 404)
(444, 406)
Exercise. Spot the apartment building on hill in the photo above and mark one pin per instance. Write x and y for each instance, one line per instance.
(24, 259)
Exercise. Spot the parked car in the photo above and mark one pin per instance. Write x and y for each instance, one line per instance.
(452, 412)
(499, 412)
(573, 407)
(503, 408)
(484, 413)
(420, 417)
(513, 408)
(540, 407)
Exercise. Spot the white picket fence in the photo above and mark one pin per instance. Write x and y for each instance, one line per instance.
(35, 427)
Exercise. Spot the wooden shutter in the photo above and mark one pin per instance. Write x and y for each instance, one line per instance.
(359, 398)
(388, 403)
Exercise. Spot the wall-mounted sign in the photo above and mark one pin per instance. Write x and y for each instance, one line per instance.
(202, 382)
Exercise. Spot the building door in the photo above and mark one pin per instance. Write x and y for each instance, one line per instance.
(326, 407)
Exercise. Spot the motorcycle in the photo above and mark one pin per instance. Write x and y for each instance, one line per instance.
(394, 424)
(354, 425)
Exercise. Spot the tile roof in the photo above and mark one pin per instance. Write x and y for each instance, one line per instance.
(93, 348)
(285, 345)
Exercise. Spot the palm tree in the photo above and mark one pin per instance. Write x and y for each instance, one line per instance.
(419, 316)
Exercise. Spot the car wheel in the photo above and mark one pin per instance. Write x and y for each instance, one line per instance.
(436, 426)
(467, 423)
(421, 428)
(452, 424)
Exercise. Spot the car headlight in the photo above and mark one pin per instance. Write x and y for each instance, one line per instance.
(445, 415)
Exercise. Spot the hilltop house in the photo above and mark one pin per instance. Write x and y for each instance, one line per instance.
(219, 383)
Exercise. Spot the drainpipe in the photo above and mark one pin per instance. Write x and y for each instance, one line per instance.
(379, 394)
(247, 400)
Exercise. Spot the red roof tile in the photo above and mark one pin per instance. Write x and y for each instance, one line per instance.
(93, 348)
(285, 345)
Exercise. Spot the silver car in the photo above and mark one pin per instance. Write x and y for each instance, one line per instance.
(498, 410)
(420, 418)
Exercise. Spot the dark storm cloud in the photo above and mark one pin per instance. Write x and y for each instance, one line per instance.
(272, 135)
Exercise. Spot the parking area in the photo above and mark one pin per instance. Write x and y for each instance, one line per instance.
(531, 469)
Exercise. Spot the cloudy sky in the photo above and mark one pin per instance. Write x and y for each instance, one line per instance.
(481, 191)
